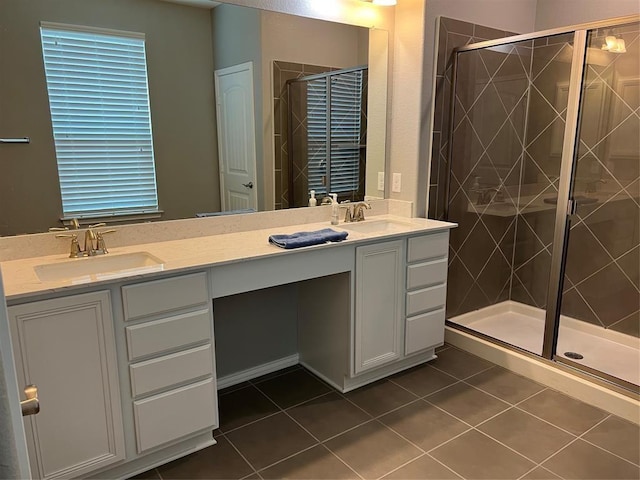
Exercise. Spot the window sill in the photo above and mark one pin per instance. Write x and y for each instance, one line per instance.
(113, 218)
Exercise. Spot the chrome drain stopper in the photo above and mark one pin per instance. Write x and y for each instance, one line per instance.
(573, 355)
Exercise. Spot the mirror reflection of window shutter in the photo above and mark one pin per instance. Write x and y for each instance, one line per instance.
(335, 117)
(99, 102)
(317, 134)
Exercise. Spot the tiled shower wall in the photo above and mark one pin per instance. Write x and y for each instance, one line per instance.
(282, 72)
(603, 264)
(550, 69)
(475, 280)
(452, 33)
(508, 136)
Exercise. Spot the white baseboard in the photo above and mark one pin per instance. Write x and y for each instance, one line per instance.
(255, 372)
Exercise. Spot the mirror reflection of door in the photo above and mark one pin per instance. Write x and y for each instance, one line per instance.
(236, 137)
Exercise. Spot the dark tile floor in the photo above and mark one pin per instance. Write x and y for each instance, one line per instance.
(456, 417)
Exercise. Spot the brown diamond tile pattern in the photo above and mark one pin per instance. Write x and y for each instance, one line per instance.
(604, 240)
(526, 85)
(487, 157)
(283, 71)
(454, 33)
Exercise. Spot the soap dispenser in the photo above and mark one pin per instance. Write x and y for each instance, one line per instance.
(312, 199)
(335, 209)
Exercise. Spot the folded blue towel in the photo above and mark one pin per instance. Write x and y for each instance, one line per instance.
(305, 239)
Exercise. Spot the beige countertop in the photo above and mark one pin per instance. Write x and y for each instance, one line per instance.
(21, 280)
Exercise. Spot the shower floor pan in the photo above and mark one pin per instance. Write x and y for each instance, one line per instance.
(521, 325)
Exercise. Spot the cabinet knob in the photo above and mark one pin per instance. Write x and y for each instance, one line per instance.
(31, 405)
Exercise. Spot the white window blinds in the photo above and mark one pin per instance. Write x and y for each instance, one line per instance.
(334, 132)
(99, 101)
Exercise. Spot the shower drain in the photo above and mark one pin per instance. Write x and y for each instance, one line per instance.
(573, 355)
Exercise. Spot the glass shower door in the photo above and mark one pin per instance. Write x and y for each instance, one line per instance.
(508, 126)
(600, 309)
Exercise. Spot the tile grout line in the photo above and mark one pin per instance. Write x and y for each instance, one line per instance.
(581, 437)
(288, 457)
(576, 437)
(241, 454)
(319, 442)
(341, 460)
(401, 466)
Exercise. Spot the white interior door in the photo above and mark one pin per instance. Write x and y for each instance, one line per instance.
(14, 459)
(236, 137)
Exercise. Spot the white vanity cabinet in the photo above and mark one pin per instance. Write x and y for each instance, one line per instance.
(378, 309)
(169, 338)
(65, 346)
(426, 291)
(398, 293)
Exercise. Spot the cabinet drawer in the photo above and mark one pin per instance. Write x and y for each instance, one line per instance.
(170, 370)
(424, 331)
(426, 299)
(169, 333)
(428, 273)
(165, 295)
(428, 246)
(175, 414)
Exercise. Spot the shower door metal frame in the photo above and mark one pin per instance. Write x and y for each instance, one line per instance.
(316, 76)
(566, 205)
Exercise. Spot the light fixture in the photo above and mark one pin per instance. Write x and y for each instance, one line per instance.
(384, 3)
(613, 43)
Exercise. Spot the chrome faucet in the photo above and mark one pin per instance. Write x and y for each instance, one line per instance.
(354, 212)
(358, 211)
(94, 243)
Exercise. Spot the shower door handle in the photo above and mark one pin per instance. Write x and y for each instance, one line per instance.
(248, 185)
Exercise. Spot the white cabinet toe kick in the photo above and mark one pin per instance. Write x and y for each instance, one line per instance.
(141, 353)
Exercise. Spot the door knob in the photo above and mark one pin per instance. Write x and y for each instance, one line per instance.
(248, 185)
(31, 405)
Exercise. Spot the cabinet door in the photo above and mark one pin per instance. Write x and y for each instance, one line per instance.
(66, 347)
(378, 316)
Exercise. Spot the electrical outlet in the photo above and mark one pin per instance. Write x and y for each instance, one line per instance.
(381, 181)
(397, 183)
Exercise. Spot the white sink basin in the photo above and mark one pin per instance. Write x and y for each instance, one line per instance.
(376, 226)
(104, 267)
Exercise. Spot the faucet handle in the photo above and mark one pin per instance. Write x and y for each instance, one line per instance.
(74, 251)
(96, 225)
(101, 246)
(348, 218)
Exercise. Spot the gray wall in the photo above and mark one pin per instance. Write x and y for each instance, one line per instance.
(180, 70)
(236, 40)
(255, 328)
(559, 13)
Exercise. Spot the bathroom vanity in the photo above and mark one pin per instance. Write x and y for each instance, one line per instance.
(125, 361)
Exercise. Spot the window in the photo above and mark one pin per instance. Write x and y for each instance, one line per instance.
(334, 105)
(99, 102)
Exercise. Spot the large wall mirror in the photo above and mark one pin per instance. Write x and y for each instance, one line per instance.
(190, 51)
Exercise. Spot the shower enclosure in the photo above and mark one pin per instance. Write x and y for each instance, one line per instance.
(544, 165)
(327, 135)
